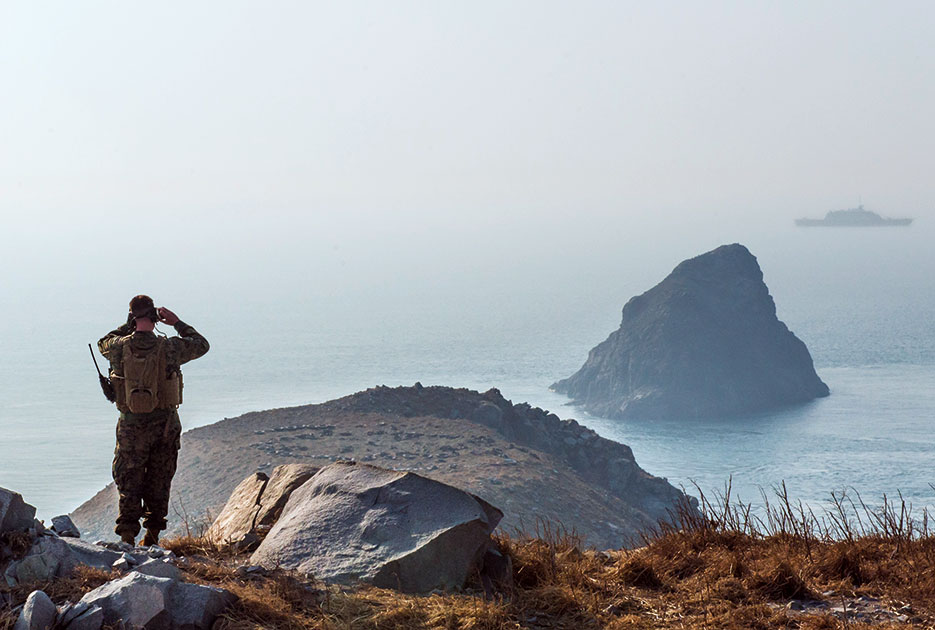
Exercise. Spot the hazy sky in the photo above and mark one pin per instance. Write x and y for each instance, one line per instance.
(443, 107)
(263, 135)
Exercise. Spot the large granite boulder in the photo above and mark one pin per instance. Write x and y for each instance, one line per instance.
(704, 342)
(256, 503)
(238, 517)
(15, 514)
(393, 529)
(283, 481)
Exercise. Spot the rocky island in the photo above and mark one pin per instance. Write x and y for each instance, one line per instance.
(538, 469)
(704, 342)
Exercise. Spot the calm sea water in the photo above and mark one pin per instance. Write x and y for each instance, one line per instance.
(862, 301)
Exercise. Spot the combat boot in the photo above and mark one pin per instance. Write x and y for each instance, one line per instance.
(151, 538)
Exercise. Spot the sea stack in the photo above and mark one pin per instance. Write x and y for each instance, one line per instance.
(703, 343)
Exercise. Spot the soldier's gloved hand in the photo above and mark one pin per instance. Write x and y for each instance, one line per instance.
(128, 327)
(167, 317)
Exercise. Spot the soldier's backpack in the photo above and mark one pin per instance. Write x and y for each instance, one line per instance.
(147, 384)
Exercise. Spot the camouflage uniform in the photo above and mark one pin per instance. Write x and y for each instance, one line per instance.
(147, 443)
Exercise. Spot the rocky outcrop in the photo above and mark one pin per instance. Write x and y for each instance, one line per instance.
(392, 529)
(514, 455)
(150, 595)
(704, 342)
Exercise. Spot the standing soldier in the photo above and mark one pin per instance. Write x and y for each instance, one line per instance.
(144, 369)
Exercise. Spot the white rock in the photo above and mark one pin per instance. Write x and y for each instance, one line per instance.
(38, 613)
(397, 530)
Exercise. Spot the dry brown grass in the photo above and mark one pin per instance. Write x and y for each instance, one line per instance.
(720, 569)
(72, 588)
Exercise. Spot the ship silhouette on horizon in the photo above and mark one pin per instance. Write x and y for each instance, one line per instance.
(852, 217)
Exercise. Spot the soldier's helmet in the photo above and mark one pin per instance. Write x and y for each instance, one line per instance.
(143, 306)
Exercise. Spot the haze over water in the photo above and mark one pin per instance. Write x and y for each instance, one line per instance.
(342, 197)
(858, 298)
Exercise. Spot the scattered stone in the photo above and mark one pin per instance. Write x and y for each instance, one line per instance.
(37, 614)
(251, 570)
(139, 600)
(121, 564)
(48, 558)
(103, 557)
(15, 514)
(63, 526)
(396, 530)
(159, 568)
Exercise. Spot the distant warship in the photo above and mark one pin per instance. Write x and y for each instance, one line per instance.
(852, 217)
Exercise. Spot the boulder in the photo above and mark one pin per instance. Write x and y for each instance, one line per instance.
(392, 529)
(256, 504)
(63, 526)
(154, 603)
(238, 517)
(137, 600)
(38, 613)
(704, 342)
(15, 514)
(282, 483)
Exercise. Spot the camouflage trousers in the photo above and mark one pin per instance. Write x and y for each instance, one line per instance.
(144, 464)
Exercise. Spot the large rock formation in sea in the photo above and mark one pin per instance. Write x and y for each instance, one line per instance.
(535, 467)
(704, 342)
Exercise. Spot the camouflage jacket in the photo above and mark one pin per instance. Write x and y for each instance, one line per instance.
(188, 345)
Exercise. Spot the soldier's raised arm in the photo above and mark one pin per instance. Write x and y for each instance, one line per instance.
(190, 344)
(108, 345)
